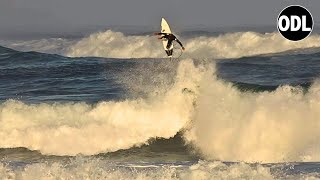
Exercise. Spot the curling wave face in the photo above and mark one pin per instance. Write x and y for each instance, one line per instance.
(277, 126)
(70, 129)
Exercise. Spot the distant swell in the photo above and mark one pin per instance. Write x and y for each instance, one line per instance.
(231, 45)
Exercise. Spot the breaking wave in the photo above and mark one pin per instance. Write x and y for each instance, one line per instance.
(231, 45)
(278, 126)
(79, 128)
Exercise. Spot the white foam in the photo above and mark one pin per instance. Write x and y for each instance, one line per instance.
(97, 169)
(278, 126)
(232, 45)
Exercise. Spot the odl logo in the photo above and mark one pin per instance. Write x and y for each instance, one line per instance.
(295, 23)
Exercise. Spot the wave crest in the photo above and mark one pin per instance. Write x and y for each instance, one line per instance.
(231, 45)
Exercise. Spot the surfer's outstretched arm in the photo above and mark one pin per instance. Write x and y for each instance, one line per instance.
(157, 33)
(180, 43)
(163, 35)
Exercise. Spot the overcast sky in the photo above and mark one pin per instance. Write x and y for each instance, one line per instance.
(70, 15)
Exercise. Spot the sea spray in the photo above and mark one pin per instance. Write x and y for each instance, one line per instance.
(80, 128)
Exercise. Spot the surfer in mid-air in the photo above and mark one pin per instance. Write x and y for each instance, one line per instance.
(170, 38)
(167, 38)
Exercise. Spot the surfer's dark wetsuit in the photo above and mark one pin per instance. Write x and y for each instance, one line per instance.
(170, 38)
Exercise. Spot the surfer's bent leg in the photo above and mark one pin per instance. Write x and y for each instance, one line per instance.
(169, 44)
(169, 52)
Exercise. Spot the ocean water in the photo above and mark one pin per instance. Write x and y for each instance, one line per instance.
(240, 105)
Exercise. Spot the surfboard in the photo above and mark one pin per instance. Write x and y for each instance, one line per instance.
(165, 28)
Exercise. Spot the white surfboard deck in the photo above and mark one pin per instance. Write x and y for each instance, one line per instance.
(165, 28)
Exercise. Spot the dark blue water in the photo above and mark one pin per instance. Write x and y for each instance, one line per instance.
(37, 77)
(272, 70)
